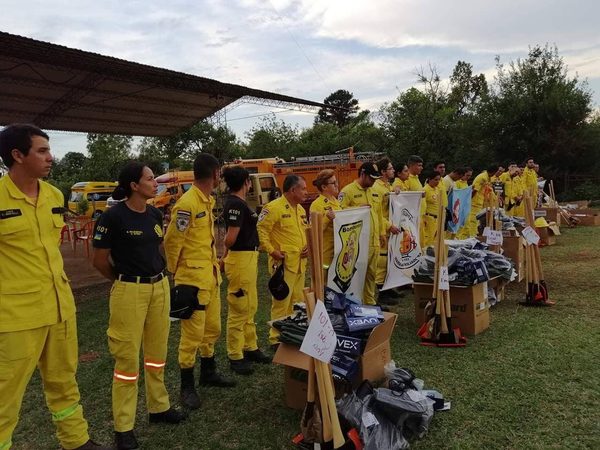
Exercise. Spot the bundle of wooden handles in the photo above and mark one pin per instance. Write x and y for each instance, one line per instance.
(322, 371)
(491, 222)
(442, 304)
(533, 261)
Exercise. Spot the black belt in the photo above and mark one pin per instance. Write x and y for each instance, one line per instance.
(143, 280)
(249, 249)
(432, 215)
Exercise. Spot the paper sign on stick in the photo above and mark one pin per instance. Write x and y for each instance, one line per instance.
(320, 339)
(530, 236)
(494, 237)
(444, 282)
(486, 231)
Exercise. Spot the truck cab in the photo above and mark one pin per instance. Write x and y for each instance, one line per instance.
(263, 189)
(95, 192)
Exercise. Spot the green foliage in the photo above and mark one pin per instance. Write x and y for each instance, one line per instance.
(82, 206)
(270, 138)
(345, 108)
(586, 191)
(106, 155)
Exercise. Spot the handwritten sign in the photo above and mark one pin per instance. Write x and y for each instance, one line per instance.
(444, 281)
(530, 236)
(320, 339)
(494, 237)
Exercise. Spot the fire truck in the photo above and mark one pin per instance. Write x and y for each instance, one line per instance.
(345, 163)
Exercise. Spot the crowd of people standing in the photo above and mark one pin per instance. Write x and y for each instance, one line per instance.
(37, 312)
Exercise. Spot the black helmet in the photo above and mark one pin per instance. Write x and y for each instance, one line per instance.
(277, 285)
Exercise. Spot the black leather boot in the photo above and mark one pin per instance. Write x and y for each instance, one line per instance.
(126, 440)
(189, 396)
(209, 375)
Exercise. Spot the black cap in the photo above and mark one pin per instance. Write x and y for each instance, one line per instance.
(277, 285)
(370, 169)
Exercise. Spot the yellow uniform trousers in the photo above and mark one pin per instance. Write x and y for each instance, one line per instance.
(241, 269)
(369, 288)
(200, 332)
(139, 315)
(381, 265)
(282, 308)
(53, 349)
(430, 225)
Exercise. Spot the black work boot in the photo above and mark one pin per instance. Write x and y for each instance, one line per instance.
(171, 415)
(189, 396)
(209, 375)
(241, 366)
(125, 440)
(257, 356)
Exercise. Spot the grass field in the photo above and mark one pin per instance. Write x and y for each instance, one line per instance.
(532, 381)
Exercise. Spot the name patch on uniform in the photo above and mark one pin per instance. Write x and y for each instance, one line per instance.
(59, 210)
(286, 216)
(182, 220)
(7, 213)
(200, 215)
(263, 214)
(357, 195)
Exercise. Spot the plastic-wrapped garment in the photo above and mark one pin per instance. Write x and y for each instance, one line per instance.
(409, 409)
(376, 431)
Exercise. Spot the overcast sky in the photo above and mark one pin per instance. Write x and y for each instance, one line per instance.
(310, 48)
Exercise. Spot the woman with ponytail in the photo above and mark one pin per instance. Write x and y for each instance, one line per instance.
(131, 233)
(326, 203)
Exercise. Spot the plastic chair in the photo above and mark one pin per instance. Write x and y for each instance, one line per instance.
(65, 231)
(84, 234)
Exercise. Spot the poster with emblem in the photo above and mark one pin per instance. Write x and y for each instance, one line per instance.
(404, 248)
(459, 203)
(351, 231)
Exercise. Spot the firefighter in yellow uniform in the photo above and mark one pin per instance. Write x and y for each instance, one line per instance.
(513, 192)
(360, 193)
(383, 188)
(482, 190)
(37, 310)
(530, 179)
(327, 204)
(433, 197)
(192, 258)
(400, 183)
(415, 167)
(282, 234)
(519, 186)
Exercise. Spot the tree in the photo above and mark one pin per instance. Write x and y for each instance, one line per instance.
(107, 154)
(271, 138)
(539, 110)
(345, 107)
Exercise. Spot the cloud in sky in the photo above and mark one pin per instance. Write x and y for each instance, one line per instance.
(309, 48)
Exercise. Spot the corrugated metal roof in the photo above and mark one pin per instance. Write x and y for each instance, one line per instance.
(61, 88)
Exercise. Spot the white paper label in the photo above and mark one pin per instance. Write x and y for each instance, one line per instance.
(494, 237)
(531, 236)
(486, 232)
(444, 281)
(368, 419)
(320, 339)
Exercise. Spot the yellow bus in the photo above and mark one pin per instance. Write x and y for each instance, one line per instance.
(95, 192)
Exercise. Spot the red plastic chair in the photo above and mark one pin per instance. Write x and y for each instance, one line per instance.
(85, 235)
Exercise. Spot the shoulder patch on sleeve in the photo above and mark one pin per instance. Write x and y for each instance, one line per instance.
(263, 214)
(341, 196)
(183, 220)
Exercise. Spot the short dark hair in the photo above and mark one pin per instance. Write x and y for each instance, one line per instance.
(130, 173)
(468, 169)
(414, 159)
(17, 135)
(529, 158)
(291, 181)
(235, 177)
(432, 174)
(437, 163)
(382, 164)
(460, 170)
(492, 167)
(205, 166)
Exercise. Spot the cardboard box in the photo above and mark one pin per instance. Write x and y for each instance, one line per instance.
(550, 214)
(587, 217)
(376, 354)
(547, 235)
(498, 284)
(470, 307)
(514, 248)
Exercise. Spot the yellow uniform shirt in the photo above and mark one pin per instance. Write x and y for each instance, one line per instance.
(353, 195)
(282, 227)
(513, 188)
(383, 188)
(530, 180)
(461, 184)
(482, 188)
(403, 185)
(432, 200)
(190, 241)
(34, 289)
(448, 183)
(323, 205)
(414, 184)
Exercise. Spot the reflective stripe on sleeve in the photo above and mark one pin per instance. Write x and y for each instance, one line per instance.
(127, 377)
(64, 413)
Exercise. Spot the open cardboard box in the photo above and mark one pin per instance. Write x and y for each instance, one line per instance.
(376, 355)
(548, 213)
(514, 248)
(469, 305)
(548, 234)
(587, 217)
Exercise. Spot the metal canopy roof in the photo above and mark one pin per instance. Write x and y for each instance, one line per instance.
(60, 88)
